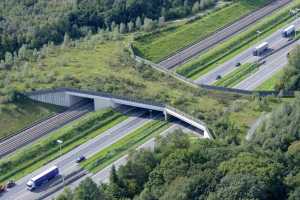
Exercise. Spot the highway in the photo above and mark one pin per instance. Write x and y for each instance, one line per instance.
(273, 64)
(66, 163)
(103, 175)
(43, 128)
(221, 35)
(275, 41)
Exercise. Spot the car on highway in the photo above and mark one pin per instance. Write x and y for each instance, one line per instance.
(238, 64)
(80, 159)
(218, 77)
(10, 184)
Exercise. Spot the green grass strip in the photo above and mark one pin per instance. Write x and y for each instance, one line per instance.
(158, 45)
(30, 158)
(236, 76)
(271, 82)
(112, 153)
(227, 50)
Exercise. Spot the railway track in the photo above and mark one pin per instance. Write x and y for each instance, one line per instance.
(33, 133)
(221, 35)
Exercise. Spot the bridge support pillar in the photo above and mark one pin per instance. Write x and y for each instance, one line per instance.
(166, 115)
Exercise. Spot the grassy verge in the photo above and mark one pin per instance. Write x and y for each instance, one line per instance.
(123, 146)
(237, 75)
(161, 44)
(227, 50)
(271, 83)
(32, 157)
(22, 113)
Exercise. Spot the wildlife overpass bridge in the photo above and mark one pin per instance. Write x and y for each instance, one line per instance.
(68, 96)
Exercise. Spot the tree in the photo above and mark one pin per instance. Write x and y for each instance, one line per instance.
(66, 195)
(122, 28)
(281, 128)
(67, 41)
(87, 190)
(115, 188)
(161, 21)
(196, 7)
(202, 4)
(22, 54)
(136, 172)
(295, 194)
(240, 186)
(138, 23)
(130, 26)
(291, 77)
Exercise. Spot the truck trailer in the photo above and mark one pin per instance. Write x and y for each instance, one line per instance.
(42, 178)
(260, 49)
(289, 31)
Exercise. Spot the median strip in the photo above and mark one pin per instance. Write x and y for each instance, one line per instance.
(237, 75)
(130, 142)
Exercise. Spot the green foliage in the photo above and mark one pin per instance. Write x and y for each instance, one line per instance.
(87, 190)
(100, 64)
(246, 163)
(41, 21)
(281, 129)
(160, 44)
(206, 170)
(271, 83)
(22, 113)
(240, 186)
(290, 79)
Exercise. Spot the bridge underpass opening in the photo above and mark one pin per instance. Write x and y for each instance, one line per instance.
(141, 110)
(77, 99)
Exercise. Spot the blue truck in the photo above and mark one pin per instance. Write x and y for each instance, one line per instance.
(42, 178)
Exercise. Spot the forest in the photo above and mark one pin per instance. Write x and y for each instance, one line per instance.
(37, 22)
(264, 168)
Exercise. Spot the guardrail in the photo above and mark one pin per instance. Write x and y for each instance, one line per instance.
(215, 88)
(102, 94)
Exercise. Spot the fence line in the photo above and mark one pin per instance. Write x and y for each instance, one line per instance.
(212, 87)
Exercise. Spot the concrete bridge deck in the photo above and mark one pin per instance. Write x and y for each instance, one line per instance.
(68, 96)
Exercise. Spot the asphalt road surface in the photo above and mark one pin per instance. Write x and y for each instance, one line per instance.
(66, 163)
(275, 41)
(225, 33)
(103, 175)
(41, 129)
(273, 64)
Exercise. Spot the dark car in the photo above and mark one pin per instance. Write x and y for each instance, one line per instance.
(238, 64)
(10, 184)
(219, 77)
(80, 159)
